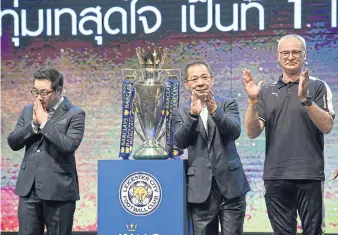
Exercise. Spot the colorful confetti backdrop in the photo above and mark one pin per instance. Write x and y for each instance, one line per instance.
(93, 82)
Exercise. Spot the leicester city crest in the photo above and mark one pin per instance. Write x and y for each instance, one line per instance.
(140, 193)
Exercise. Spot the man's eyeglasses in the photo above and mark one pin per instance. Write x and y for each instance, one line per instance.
(286, 54)
(203, 77)
(43, 94)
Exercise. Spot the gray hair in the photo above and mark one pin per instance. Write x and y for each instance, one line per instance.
(300, 38)
(193, 63)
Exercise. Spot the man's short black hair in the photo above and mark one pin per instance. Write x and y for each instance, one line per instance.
(50, 74)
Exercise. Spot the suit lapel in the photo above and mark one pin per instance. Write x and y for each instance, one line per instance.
(201, 130)
(200, 127)
(212, 126)
(29, 115)
(211, 130)
(61, 110)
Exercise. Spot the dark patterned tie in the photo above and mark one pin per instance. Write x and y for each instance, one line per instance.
(50, 113)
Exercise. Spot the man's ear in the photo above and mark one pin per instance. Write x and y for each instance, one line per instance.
(279, 60)
(59, 90)
(278, 57)
(212, 80)
(186, 85)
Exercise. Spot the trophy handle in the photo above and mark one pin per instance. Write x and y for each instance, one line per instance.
(139, 134)
(135, 129)
(160, 136)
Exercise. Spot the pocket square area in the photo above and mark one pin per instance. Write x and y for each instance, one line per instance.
(63, 121)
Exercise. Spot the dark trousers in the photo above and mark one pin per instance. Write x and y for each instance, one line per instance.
(35, 213)
(284, 198)
(229, 212)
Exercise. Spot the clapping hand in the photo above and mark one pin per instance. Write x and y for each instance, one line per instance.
(196, 105)
(211, 103)
(303, 86)
(250, 87)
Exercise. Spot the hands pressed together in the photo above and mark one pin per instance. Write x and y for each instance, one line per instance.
(40, 114)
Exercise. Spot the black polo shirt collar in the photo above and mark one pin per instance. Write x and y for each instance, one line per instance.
(281, 82)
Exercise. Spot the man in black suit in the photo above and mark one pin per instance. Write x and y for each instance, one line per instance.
(50, 129)
(216, 182)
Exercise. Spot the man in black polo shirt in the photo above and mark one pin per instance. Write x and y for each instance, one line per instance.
(295, 111)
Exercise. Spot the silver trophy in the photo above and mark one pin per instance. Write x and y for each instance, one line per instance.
(149, 101)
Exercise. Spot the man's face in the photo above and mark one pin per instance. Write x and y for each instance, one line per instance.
(47, 96)
(199, 80)
(291, 55)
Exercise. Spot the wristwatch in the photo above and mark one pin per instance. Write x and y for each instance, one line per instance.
(307, 102)
(35, 127)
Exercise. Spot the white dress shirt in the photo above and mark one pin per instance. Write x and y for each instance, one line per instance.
(204, 116)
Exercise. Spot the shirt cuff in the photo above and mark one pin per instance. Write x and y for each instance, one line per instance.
(43, 124)
(35, 128)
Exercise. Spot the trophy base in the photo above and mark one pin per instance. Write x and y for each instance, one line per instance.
(150, 151)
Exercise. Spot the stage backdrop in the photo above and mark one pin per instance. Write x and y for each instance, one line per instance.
(91, 41)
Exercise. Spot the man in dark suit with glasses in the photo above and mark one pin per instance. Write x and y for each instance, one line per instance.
(50, 130)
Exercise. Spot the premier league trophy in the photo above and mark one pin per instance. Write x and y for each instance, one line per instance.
(151, 94)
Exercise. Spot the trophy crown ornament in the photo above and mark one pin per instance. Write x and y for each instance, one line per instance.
(151, 57)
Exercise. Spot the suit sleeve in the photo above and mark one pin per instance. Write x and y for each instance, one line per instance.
(323, 98)
(184, 128)
(228, 121)
(69, 142)
(21, 134)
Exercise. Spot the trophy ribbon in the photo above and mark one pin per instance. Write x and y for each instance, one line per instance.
(171, 92)
(174, 152)
(127, 129)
